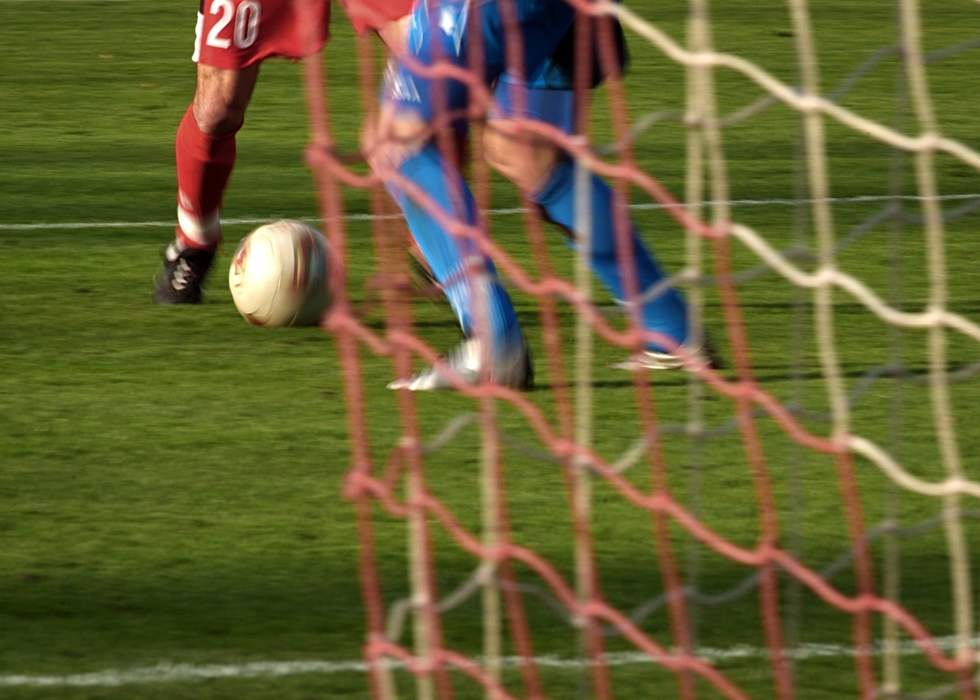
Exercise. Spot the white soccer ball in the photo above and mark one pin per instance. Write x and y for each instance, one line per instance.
(280, 275)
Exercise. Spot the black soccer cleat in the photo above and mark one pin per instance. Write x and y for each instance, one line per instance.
(181, 275)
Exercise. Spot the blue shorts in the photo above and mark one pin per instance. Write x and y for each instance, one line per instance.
(438, 32)
(555, 107)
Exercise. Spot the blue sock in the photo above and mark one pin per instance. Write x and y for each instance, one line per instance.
(447, 255)
(667, 313)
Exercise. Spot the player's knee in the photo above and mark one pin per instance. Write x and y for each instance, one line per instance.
(222, 97)
(215, 118)
(496, 153)
(393, 138)
(525, 162)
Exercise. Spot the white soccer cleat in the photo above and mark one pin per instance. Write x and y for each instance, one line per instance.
(692, 361)
(513, 370)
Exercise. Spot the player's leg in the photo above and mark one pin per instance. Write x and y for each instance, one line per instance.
(205, 151)
(232, 38)
(666, 313)
(437, 31)
(546, 173)
(463, 272)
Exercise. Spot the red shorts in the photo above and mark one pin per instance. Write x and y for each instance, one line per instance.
(238, 33)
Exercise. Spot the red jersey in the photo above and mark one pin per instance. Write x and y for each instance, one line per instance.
(376, 13)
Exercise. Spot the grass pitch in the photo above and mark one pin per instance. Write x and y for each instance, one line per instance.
(170, 477)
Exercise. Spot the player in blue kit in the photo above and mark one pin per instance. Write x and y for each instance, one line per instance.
(494, 346)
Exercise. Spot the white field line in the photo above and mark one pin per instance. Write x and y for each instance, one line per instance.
(495, 212)
(175, 673)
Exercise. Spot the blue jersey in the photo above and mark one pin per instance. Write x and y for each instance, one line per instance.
(438, 30)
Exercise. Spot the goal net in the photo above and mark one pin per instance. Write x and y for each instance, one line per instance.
(798, 522)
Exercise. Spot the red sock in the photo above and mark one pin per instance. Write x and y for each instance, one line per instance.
(204, 165)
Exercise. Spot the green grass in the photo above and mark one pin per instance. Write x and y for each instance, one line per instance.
(171, 478)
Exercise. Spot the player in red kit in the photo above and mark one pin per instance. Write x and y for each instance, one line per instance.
(233, 37)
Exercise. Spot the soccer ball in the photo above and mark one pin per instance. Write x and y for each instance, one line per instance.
(280, 275)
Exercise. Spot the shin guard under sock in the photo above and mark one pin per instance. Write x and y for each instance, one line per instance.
(204, 165)
(667, 313)
(457, 263)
